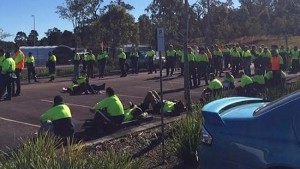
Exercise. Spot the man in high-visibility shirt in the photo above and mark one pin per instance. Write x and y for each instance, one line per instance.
(51, 64)
(30, 64)
(102, 59)
(90, 64)
(217, 60)
(170, 60)
(213, 89)
(58, 119)
(76, 63)
(109, 113)
(266, 56)
(246, 86)
(180, 55)
(122, 59)
(259, 81)
(202, 62)
(284, 54)
(170, 108)
(227, 57)
(276, 65)
(295, 54)
(150, 56)
(246, 60)
(8, 74)
(269, 79)
(134, 58)
(20, 61)
(2, 57)
(235, 61)
(228, 81)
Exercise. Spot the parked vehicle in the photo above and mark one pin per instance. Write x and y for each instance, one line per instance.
(251, 133)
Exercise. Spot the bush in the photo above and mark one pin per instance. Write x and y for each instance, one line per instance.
(187, 137)
(42, 152)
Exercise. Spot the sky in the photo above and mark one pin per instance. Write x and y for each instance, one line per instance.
(16, 15)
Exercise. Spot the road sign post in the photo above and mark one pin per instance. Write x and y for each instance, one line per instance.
(160, 47)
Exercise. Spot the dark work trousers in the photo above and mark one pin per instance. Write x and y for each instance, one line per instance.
(51, 68)
(202, 72)
(170, 61)
(150, 64)
(181, 68)
(31, 72)
(101, 67)
(17, 89)
(235, 66)
(122, 67)
(8, 85)
(102, 120)
(217, 65)
(90, 69)
(276, 78)
(134, 65)
(192, 71)
(266, 64)
(246, 65)
(295, 65)
(84, 65)
(76, 71)
(227, 59)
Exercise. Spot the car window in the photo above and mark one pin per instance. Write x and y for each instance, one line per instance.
(294, 97)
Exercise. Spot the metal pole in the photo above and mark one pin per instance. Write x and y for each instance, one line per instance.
(161, 108)
(208, 38)
(33, 29)
(187, 94)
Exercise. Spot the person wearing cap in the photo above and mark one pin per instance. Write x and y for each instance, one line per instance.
(30, 64)
(109, 112)
(202, 63)
(295, 54)
(214, 88)
(8, 74)
(19, 59)
(51, 64)
(228, 81)
(235, 60)
(90, 64)
(58, 119)
(150, 56)
(246, 86)
(170, 108)
(217, 60)
(170, 60)
(102, 59)
(122, 58)
(134, 58)
(266, 57)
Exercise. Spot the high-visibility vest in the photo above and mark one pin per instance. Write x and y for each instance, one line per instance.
(275, 63)
(19, 59)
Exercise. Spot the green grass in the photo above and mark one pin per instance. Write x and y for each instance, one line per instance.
(42, 153)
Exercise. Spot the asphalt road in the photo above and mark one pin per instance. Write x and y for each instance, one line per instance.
(19, 117)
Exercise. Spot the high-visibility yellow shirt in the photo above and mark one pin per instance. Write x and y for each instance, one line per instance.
(171, 53)
(1, 60)
(218, 53)
(112, 104)
(102, 55)
(8, 65)
(235, 53)
(55, 113)
(246, 80)
(90, 57)
(266, 54)
(247, 54)
(168, 106)
(191, 57)
(201, 57)
(215, 84)
(52, 58)
(295, 54)
(122, 55)
(29, 59)
(260, 79)
(150, 53)
(77, 57)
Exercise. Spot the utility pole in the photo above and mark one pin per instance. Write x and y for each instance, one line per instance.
(33, 16)
(187, 94)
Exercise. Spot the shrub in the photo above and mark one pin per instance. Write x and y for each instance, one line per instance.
(42, 152)
(187, 137)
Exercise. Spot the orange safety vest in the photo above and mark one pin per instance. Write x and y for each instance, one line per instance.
(19, 59)
(275, 65)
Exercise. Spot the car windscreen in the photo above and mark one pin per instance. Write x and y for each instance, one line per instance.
(277, 103)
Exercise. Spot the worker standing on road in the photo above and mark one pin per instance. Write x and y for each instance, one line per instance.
(276, 65)
(192, 68)
(295, 54)
(170, 60)
(90, 64)
(227, 57)
(122, 59)
(235, 60)
(180, 55)
(134, 58)
(20, 61)
(76, 63)
(8, 74)
(102, 59)
(30, 64)
(58, 119)
(246, 60)
(150, 56)
(202, 62)
(2, 57)
(51, 64)
(217, 61)
(109, 112)
(266, 57)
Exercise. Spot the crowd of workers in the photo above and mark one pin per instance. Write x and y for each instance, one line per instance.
(205, 63)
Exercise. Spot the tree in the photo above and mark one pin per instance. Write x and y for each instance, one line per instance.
(146, 30)
(32, 38)
(21, 39)
(54, 36)
(68, 38)
(3, 34)
(44, 42)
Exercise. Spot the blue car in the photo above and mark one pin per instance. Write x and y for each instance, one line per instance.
(251, 133)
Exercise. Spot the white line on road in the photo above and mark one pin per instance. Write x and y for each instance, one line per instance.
(19, 122)
(77, 105)
(131, 96)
